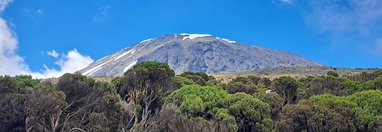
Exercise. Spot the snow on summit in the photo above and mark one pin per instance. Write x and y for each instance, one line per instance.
(193, 36)
(227, 40)
(147, 40)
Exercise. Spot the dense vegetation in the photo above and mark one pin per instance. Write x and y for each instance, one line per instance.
(150, 97)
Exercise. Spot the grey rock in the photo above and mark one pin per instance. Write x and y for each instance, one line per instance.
(197, 53)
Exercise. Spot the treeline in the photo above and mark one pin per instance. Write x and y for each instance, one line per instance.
(150, 97)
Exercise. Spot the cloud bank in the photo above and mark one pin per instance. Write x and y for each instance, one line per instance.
(12, 64)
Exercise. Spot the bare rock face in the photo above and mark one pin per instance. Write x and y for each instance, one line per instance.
(197, 53)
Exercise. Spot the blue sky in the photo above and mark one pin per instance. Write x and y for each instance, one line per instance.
(338, 33)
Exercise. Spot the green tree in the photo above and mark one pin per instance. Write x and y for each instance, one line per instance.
(142, 90)
(372, 84)
(84, 96)
(369, 107)
(98, 122)
(241, 111)
(12, 113)
(251, 114)
(12, 109)
(253, 81)
(311, 116)
(192, 104)
(273, 99)
(25, 81)
(286, 87)
(332, 73)
(245, 80)
(365, 76)
(199, 78)
(332, 85)
(7, 85)
(181, 81)
(240, 87)
(169, 120)
(44, 106)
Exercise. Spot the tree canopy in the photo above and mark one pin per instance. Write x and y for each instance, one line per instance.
(150, 97)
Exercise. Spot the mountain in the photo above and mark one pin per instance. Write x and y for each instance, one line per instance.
(195, 52)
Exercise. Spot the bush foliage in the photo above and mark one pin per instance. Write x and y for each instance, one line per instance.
(150, 97)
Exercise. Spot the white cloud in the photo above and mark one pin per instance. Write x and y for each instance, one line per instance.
(4, 4)
(52, 53)
(68, 63)
(12, 64)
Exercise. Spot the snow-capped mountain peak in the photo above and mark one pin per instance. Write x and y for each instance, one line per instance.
(195, 52)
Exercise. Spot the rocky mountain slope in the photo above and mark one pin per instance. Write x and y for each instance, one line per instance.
(195, 52)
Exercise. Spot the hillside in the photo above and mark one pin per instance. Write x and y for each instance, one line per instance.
(197, 53)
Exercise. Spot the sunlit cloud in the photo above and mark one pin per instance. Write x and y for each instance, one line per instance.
(68, 63)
